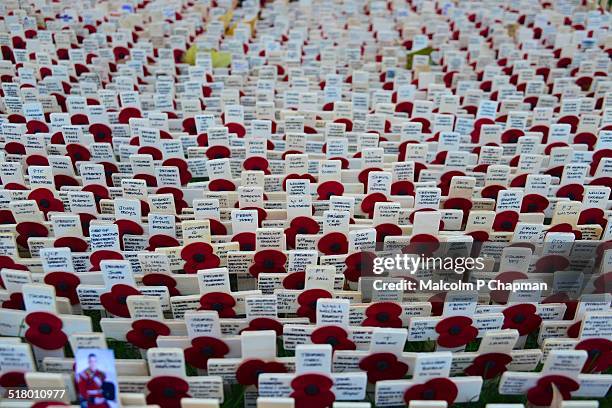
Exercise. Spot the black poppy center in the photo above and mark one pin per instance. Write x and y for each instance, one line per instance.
(591, 221)
(402, 191)
(313, 304)
(122, 300)
(169, 392)
(100, 135)
(198, 257)
(217, 306)
(335, 247)
(148, 332)
(207, 351)
(506, 225)
(571, 196)
(44, 203)
(383, 317)
(219, 156)
(45, 328)
(520, 318)
(429, 394)
(489, 365)
(455, 330)
(311, 389)
(531, 207)
(302, 230)
(248, 247)
(268, 264)
(258, 371)
(382, 365)
(62, 286)
(594, 353)
(332, 340)
(78, 156)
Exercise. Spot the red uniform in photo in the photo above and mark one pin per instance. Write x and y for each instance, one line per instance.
(90, 383)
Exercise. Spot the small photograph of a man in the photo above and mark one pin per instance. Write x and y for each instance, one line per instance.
(96, 378)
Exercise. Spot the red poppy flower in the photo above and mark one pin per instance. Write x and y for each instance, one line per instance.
(15, 148)
(101, 255)
(312, 391)
(65, 284)
(422, 244)
(501, 296)
(46, 201)
(48, 404)
(534, 203)
(599, 354)
(308, 302)
(437, 389)
(505, 221)
(383, 366)
(357, 264)
(574, 192)
(455, 331)
(521, 317)
(300, 225)
(602, 284)
(221, 185)
(462, 204)
(29, 229)
(77, 153)
(218, 152)
(248, 372)
(109, 170)
(101, 133)
(236, 128)
(369, 202)
(162, 241)
(573, 332)
(15, 302)
(489, 365)
(551, 264)
(402, 188)
(15, 186)
(149, 179)
(268, 261)
(592, 216)
(387, 230)
(329, 188)
(144, 333)
(45, 331)
(6, 217)
(8, 263)
(335, 336)
(542, 393)
(204, 348)
(199, 255)
(295, 281)
(161, 279)
(115, 301)
(333, 243)
(562, 297)
(383, 314)
(264, 323)
(128, 227)
(99, 192)
(36, 126)
(167, 391)
(246, 240)
(183, 168)
(62, 180)
(13, 379)
(126, 113)
(222, 302)
(257, 164)
(75, 244)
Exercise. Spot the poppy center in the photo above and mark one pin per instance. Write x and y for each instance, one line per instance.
(217, 306)
(100, 135)
(519, 318)
(78, 156)
(489, 365)
(122, 300)
(219, 156)
(169, 392)
(44, 203)
(455, 330)
(591, 221)
(506, 225)
(148, 332)
(268, 264)
(45, 328)
(248, 247)
(571, 196)
(311, 389)
(198, 257)
(429, 394)
(335, 247)
(62, 286)
(383, 317)
(532, 207)
(302, 230)
(593, 353)
(207, 351)
(333, 341)
(382, 365)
